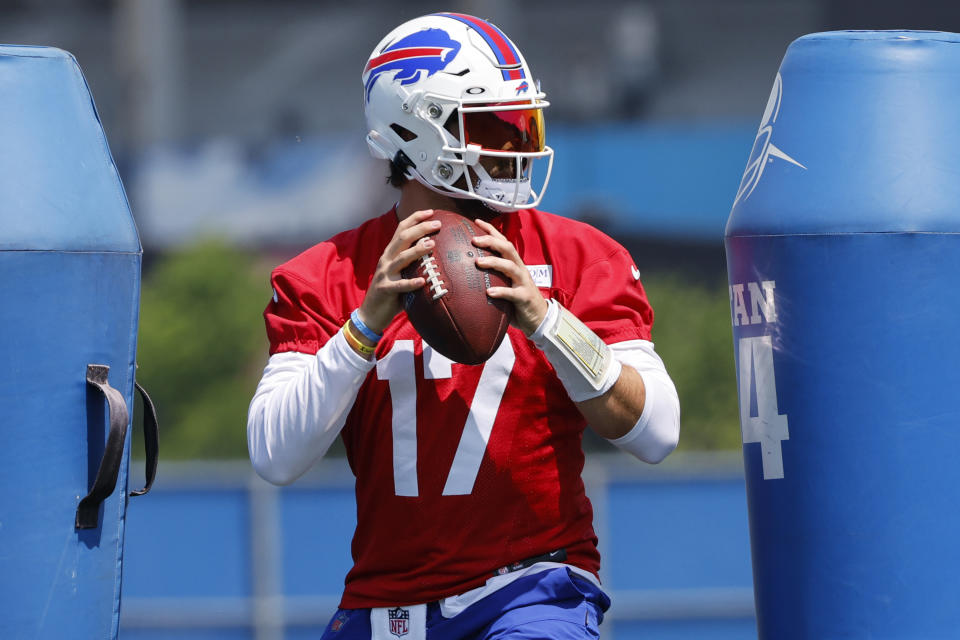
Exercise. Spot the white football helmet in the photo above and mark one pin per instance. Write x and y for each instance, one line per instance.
(451, 64)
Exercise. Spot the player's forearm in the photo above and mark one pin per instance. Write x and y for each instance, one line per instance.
(613, 414)
(641, 412)
(300, 407)
(623, 390)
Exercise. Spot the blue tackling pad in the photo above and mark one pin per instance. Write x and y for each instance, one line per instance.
(70, 284)
(843, 249)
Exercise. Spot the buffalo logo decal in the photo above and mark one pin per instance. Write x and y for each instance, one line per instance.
(418, 55)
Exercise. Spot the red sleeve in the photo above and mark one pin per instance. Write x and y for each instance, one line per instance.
(611, 301)
(296, 318)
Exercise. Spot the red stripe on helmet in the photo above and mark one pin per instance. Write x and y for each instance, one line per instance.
(506, 49)
(399, 54)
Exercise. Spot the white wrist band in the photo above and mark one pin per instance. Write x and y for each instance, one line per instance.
(583, 362)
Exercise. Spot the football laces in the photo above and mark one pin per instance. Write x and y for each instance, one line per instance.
(432, 274)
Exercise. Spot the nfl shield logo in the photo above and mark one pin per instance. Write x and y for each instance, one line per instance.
(399, 621)
(339, 621)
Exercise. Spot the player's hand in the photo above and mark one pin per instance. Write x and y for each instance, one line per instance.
(528, 304)
(408, 244)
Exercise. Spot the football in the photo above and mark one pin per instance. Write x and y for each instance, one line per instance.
(452, 311)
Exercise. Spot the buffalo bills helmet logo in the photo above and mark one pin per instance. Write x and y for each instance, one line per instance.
(423, 52)
(522, 87)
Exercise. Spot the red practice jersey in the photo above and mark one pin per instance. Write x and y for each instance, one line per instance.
(461, 469)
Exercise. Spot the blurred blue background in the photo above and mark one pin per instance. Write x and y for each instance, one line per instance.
(241, 121)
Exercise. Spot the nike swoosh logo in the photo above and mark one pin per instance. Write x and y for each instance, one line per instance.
(635, 272)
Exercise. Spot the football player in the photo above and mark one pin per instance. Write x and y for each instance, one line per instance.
(472, 521)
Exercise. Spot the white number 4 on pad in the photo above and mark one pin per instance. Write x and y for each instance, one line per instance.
(769, 426)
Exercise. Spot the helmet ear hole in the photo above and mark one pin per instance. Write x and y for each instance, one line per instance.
(405, 134)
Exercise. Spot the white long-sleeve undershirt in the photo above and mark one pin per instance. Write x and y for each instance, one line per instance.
(302, 402)
(300, 406)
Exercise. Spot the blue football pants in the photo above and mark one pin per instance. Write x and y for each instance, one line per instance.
(555, 604)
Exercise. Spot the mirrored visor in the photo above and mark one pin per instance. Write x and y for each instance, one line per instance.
(505, 130)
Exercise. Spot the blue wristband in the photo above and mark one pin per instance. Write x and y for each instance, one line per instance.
(368, 333)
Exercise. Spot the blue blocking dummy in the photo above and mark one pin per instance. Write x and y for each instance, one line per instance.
(70, 283)
(843, 256)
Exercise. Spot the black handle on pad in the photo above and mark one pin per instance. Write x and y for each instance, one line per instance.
(106, 482)
(151, 439)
